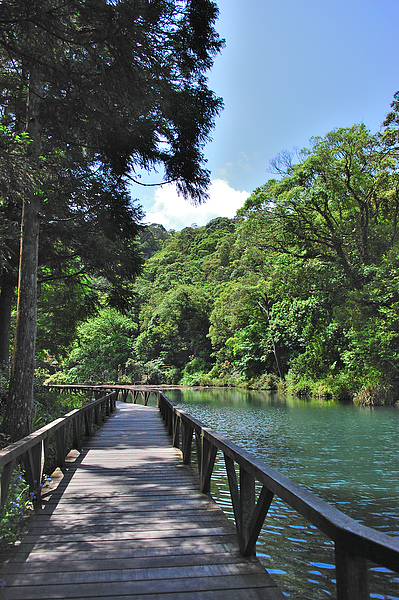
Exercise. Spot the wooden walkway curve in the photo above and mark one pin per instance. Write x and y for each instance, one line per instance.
(128, 521)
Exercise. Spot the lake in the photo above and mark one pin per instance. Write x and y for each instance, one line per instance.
(345, 454)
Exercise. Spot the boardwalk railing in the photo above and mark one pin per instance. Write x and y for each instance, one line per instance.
(32, 450)
(354, 543)
(136, 392)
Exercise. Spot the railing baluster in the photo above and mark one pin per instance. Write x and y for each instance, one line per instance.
(169, 422)
(187, 438)
(198, 446)
(351, 575)
(97, 415)
(256, 522)
(77, 432)
(60, 446)
(247, 505)
(33, 464)
(87, 417)
(5, 480)
(234, 490)
(176, 431)
(208, 452)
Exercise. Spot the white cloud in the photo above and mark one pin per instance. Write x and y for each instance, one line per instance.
(173, 212)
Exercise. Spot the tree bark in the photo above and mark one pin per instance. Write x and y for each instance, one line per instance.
(6, 300)
(18, 417)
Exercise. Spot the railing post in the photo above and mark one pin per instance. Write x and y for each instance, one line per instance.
(208, 455)
(61, 441)
(97, 415)
(33, 465)
(351, 575)
(77, 432)
(169, 421)
(198, 445)
(176, 431)
(187, 437)
(88, 421)
(249, 517)
(247, 505)
(161, 406)
(5, 481)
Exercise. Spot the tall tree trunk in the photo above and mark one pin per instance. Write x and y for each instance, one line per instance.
(6, 299)
(18, 417)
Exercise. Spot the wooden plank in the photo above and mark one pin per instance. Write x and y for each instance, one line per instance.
(174, 571)
(127, 520)
(98, 563)
(133, 588)
(104, 550)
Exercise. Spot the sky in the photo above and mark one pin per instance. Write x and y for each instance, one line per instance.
(290, 70)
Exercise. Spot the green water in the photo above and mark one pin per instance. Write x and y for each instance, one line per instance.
(347, 455)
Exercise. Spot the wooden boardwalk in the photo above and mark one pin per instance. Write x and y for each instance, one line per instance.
(127, 521)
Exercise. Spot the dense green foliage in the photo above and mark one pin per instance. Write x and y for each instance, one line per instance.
(91, 94)
(301, 288)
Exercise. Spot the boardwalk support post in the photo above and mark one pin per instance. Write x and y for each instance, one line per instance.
(33, 464)
(61, 442)
(176, 431)
(247, 505)
(208, 455)
(187, 437)
(351, 575)
(256, 521)
(5, 481)
(77, 432)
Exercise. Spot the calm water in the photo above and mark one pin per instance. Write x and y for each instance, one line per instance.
(347, 455)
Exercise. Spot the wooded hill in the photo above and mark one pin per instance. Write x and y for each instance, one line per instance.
(301, 287)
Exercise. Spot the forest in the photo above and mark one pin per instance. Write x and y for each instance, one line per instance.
(92, 94)
(299, 292)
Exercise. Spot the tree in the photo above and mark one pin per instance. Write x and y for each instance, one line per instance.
(102, 347)
(340, 204)
(334, 214)
(175, 327)
(13, 178)
(112, 86)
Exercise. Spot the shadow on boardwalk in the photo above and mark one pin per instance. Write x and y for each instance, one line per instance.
(127, 521)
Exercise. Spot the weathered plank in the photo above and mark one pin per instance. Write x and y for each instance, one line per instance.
(127, 521)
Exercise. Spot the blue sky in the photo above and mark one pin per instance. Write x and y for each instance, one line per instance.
(291, 69)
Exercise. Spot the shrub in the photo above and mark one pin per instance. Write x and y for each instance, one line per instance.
(17, 508)
(376, 395)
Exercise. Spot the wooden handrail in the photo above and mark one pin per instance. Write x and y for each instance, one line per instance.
(99, 390)
(354, 543)
(32, 449)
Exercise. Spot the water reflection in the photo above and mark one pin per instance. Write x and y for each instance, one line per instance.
(347, 455)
